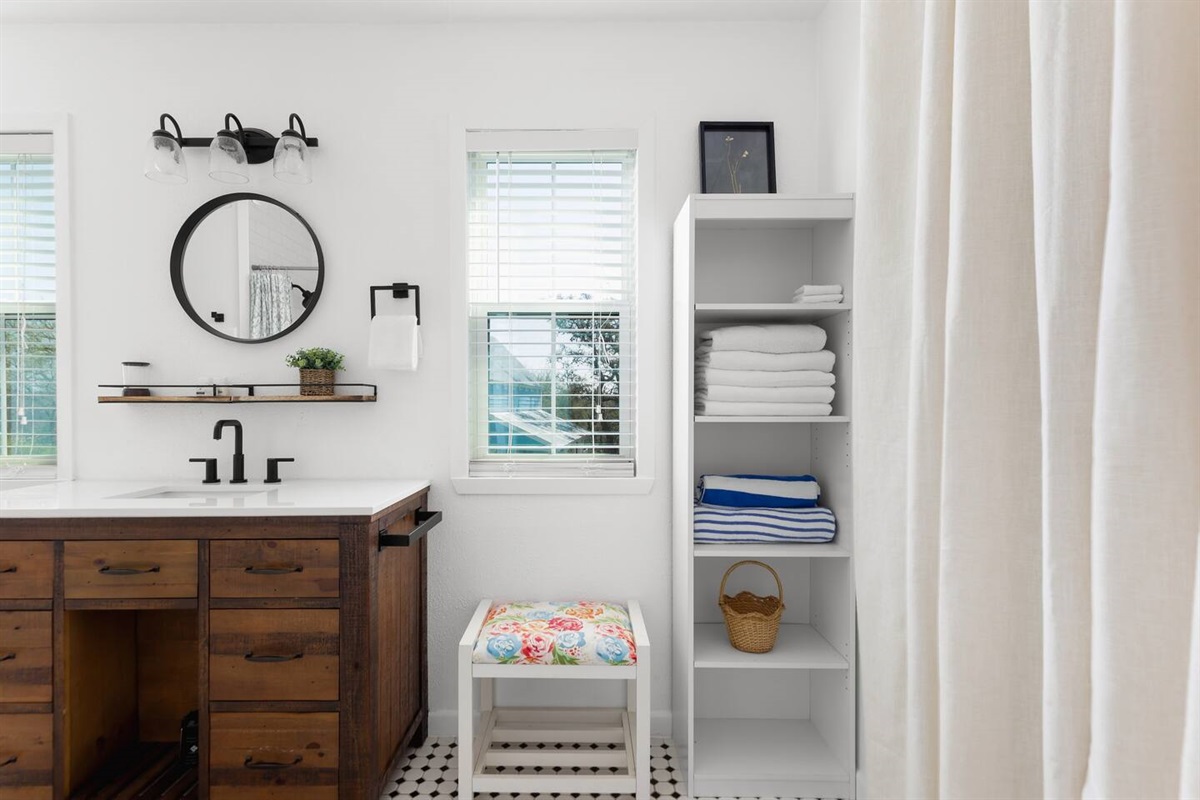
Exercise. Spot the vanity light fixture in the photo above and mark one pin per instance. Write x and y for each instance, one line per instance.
(164, 154)
(291, 154)
(230, 151)
(227, 154)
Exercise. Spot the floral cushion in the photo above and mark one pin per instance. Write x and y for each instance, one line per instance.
(582, 632)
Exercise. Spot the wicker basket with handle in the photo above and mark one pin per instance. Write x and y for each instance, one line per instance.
(752, 622)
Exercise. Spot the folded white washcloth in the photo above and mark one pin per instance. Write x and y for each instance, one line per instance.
(817, 299)
(766, 394)
(771, 362)
(719, 408)
(810, 289)
(767, 338)
(708, 376)
(394, 342)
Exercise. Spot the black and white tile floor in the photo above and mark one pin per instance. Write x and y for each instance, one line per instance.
(431, 773)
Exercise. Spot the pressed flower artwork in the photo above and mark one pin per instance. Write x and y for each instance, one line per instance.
(737, 157)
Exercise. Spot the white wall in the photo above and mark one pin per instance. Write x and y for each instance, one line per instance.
(381, 98)
(836, 36)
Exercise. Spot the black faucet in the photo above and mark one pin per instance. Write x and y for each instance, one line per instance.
(239, 459)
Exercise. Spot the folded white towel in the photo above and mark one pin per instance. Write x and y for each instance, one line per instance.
(718, 408)
(766, 394)
(817, 299)
(394, 342)
(771, 362)
(767, 338)
(750, 377)
(810, 289)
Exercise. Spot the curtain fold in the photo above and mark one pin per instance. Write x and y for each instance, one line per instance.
(1027, 388)
(270, 303)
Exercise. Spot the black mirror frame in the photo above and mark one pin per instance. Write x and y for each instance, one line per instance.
(180, 248)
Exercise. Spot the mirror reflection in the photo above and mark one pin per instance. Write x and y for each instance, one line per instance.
(247, 268)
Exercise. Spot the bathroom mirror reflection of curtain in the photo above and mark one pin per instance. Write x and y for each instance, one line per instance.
(270, 303)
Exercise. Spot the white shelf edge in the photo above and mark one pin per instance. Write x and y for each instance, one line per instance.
(798, 646)
(764, 749)
(700, 418)
(797, 550)
(720, 312)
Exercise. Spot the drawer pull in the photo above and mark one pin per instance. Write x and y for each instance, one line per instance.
(9, 570)
(250, 763)
(275, 570)
(272, 659)
(7, 761)
(129, 570)
(8, 657)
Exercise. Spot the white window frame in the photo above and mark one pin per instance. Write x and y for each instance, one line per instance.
(57, 125)
(648, 296)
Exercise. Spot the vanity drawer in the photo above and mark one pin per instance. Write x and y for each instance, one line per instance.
(273, 755)
(26, 657)
(26, 756)
(129, 569)
(26, 570)
(260, 654)
(274, 568)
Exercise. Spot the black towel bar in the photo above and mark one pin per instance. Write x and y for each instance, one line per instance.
(399, 291)
(425, 521)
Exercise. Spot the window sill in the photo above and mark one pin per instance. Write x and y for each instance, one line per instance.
(565, 486)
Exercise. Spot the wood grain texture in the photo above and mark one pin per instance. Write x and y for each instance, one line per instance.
(264, 398)
(308, 638)
(95, 569)
(101, 690)
(398, 620)
(274, 568)
(306, 743)
(26, 756)
(26, 657)
(26, 570)
(168, 672)
(143, 528)
(203, 598)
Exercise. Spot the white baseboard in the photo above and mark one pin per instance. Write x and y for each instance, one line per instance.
(445, 723)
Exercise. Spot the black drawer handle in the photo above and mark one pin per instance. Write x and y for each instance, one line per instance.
(250, 763)
(7, 761)
(8, 657)
(281, 570)
(272, 659)
(9, 570)
(129, 570)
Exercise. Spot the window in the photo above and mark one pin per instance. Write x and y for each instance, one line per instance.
(551, 254)
(28, 323)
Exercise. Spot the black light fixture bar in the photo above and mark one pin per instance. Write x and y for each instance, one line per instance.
(260, 145)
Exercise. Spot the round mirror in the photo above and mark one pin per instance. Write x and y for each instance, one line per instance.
(247, 268)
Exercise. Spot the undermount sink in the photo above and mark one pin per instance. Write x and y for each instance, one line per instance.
(197, 493)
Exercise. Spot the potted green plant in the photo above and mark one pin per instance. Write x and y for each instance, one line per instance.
(317, 366)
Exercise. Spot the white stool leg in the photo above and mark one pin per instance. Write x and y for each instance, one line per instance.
(487, 695)
(466, 720)
(641, 737)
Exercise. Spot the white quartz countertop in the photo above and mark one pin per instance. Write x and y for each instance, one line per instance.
(298, 498)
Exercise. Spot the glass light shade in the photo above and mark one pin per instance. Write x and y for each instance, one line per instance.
(227, 159)
(291, 160)
(164, 160)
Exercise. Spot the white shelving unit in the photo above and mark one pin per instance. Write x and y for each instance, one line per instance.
(779, 724)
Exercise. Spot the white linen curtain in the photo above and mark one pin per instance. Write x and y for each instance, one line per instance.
(270, 303)
(1027, 404)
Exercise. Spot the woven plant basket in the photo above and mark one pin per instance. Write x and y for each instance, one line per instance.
(316, 382)
(752, 622)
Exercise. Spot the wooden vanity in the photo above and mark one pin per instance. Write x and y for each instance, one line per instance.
(300, 642)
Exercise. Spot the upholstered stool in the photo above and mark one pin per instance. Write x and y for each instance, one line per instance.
(580, 640)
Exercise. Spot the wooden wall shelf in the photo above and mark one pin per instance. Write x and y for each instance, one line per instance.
(364, 393)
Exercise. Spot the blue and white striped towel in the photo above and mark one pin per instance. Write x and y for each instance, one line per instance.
(762, 525)
(759, 491)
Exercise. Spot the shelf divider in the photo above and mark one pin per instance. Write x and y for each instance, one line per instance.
(796, 647)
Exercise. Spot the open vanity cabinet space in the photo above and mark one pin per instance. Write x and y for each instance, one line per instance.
(778, 724)
(295, 631)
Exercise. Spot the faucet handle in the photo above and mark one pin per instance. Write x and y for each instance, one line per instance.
(210, 469)
(273, 469)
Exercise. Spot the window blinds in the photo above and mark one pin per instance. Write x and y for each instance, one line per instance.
(28, 378)
(551, 250)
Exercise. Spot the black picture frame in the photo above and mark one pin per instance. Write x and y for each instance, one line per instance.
(737, 157)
